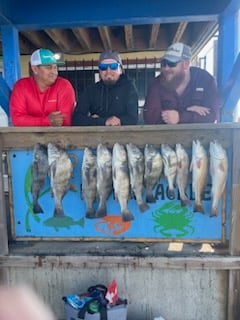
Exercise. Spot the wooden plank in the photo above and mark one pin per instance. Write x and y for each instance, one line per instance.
(184, 263)
(80, 137)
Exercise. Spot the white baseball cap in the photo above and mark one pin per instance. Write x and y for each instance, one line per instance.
(43, 57)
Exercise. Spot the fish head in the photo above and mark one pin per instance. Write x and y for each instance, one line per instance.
(216, 150)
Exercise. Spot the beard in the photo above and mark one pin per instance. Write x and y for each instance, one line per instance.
(109, 82)
(175, 81)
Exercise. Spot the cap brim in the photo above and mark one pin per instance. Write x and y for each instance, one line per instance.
(170, 58)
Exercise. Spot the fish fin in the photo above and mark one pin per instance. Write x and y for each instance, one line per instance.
(149, 165)
(198, 207)
(53, 167)
(143, 207)
(198, 163)
(179, 164)
(127, 215)
(221, 167)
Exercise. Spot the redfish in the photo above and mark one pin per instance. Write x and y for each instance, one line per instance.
(199, 168)
(218, 172)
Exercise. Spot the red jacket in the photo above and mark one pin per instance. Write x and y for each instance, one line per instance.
(31, 107)
(201, 91)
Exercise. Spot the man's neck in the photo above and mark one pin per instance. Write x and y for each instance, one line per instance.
(183, 85)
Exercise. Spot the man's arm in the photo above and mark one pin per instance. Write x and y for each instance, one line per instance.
(209, 110)
(19, 109)
(66, 101)
(131, 116)
(153, 109)
(81, 115)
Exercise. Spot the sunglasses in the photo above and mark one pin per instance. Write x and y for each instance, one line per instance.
(105, 66)
(165, 63)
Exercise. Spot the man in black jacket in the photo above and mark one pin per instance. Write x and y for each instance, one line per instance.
(113, 101)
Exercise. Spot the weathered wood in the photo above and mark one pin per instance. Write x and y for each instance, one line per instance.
(79, 137)
(3, 223)
(202, 263)
(234, 295)
(235, 217)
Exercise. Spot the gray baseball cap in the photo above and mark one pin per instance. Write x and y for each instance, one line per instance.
(110, 55)
(177, 52)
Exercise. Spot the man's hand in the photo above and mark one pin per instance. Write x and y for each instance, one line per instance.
(170, 116)
(202, 111)
(113, 121)
(56, 118)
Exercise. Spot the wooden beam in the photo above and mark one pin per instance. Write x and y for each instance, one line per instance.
(105, 37)
(62, 38)
(154, 36)
(83, 38)
(90, 261)
(180, 30)
(128, 30)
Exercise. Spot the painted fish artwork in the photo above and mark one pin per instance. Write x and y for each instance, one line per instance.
(218, 172)
(199, 168)
(39, 171)
(89, 181)
(61, 169)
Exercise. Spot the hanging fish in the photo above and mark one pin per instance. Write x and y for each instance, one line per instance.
(39, 173)
(170, 167)
(218, 172)
(182, 173)
(89, 181)
(104, 178)
(152, 170)
(61, 169)
(136, 171)
(199, 168)
(121, 181)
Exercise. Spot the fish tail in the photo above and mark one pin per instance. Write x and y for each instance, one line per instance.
(58, 212)
(37, 208)
(102, 211)
(143, 207)
(127, 215)
(214, 212)
(198, 207)
(185, 202)
(170, 193)
(91, 213)
(150, 198)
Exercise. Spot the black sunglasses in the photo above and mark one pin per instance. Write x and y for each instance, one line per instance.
(112, 66)
(165, 63)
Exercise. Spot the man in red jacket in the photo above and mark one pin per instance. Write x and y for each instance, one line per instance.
(181, 94)
(43, 99)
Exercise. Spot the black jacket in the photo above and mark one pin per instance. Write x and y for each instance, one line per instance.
(120, 100)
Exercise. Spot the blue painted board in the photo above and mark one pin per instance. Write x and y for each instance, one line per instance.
(165, 219)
